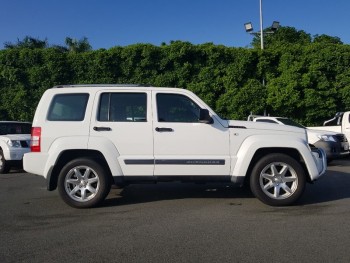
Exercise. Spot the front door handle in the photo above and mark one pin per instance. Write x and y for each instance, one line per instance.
(102, 128)
(164, 129)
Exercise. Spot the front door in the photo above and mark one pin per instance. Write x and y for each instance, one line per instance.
(182, 145)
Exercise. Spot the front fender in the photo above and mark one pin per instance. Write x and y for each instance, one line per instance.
(253, 143)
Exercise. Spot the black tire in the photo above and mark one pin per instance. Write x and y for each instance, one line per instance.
(4, 165)
(83, 183)
(277, 180)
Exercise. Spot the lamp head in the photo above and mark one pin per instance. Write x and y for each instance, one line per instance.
(275, 25)
(248, 27)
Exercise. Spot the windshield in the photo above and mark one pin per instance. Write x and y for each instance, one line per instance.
(15, 128)
(290, 122)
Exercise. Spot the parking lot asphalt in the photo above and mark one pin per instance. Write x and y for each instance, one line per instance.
(174, 222)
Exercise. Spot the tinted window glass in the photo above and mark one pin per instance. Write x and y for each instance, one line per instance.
(266, 120)
(15, 128)
(290, 122)
(123, 107)
(68, 107)
(176, 108)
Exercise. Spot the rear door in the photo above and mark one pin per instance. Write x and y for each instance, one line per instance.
(124, 118)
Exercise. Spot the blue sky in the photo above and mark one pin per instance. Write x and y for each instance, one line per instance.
(108, 23)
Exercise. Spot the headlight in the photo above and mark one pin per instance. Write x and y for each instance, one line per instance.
(327, 138)
(14, 143)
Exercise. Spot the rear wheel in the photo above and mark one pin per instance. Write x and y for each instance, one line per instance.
(277, 180)
(83, 183)
(4, 165)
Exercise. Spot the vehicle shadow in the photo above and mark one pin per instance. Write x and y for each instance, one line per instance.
(334, 185)
(144, 193)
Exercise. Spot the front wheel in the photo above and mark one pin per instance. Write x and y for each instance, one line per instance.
(83, 183)
(277, 180)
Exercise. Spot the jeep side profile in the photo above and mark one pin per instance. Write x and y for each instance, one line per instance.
(87, 137)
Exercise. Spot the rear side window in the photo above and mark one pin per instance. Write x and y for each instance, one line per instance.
(68, 107)
(123, 107)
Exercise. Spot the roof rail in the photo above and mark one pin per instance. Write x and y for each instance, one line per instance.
(102, 85)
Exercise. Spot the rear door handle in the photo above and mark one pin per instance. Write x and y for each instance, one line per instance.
(164, 129)
(102, 128)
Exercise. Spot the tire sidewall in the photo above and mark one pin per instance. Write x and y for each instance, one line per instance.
(104, 183)
(255, 179)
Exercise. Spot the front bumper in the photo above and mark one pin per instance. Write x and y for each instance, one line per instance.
(334, 150)
(320, 159)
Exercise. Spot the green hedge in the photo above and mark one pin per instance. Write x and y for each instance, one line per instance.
(308, 82)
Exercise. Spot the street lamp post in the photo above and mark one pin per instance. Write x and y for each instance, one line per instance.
(261, 27)
(249, 29)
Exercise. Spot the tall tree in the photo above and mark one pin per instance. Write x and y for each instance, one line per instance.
(325, 39)
(282, 36)
(78, 46)
(27, 42)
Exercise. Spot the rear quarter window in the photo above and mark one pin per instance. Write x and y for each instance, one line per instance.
(68, 107)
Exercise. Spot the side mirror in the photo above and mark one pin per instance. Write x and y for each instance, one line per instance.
(204, 117)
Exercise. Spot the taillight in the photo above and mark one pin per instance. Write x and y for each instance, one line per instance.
(36, 139)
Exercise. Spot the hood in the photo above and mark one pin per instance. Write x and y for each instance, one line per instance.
(18, 137)
(315, 135)
(321, 132)
(266, 126)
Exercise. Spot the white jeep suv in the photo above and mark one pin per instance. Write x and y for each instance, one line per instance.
(86, 137)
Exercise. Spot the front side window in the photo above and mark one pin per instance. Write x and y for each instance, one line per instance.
(123, 107)
(176, 108)
(68, 107)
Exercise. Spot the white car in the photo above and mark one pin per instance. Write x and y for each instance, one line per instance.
(85, 137)
(335, 144)
(340, 123)
(14, 143)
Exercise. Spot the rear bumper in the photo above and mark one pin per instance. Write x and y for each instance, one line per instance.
(35, 163)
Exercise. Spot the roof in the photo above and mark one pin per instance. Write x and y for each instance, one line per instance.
(102, 85)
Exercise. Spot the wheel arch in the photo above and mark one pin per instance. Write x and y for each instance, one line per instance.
(69, 155)
(292, 152)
